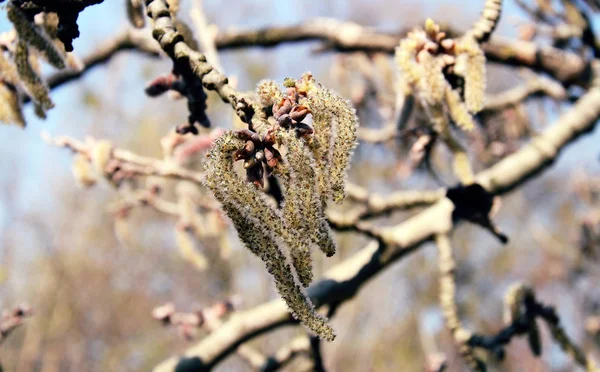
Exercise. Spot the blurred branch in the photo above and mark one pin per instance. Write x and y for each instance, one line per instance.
(128, 161)
(205, 34)
(208, 318)
(12, 319)
(536, 86)
(566, 67)
(447, 267)
(524, 309)
(135, 40)
(345, 279)
(299, 346)
(315, 347)
(336, 35)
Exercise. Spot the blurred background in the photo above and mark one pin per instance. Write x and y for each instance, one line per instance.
(93, 293)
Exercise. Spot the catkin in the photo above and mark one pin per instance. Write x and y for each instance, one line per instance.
(10, 106)
(257, 223)
(487, 22)
(341, 120)
(34, 36)
(29, 78)
(474, 75)
(458, 110)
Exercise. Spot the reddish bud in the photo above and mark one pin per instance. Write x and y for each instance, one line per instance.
(298, 113)
(160, 85)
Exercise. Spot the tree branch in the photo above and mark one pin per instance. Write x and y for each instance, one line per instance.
(191, 64)
(567, 67)
(136, 40)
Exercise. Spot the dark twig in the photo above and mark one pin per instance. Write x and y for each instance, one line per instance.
(191, 64)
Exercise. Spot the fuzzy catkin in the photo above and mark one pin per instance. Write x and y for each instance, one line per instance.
(82, 171)
(433, 83)
(263, 246)
(321, 144)
(307, 207)
(458, 110)
(297, 204)
(35, 37)
(474, 74)
(254, 202)
(246, 209)
(100, 155)
(340, 119)
(10, 106)
(405, 56)
(485, 25)
(460, 162)
(31, 81)
(268, 92)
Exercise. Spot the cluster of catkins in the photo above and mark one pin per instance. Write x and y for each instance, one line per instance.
(310, 161)
(19, 64)
(448, 74)
(448, 77)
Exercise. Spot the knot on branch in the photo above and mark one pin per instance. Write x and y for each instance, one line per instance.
(243, 109)
(474, 204)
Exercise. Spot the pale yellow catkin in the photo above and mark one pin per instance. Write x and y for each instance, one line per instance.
(296, 206)
(474, 74)
(101, 153)
(135, 13)
(321, 144)
(266, 249)
(8, 71)
(268, 218)
(412, 72)
(487, 22)
(458, 110)
(303, 196)
(432, 83)
(82, 171)
(188, 251)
